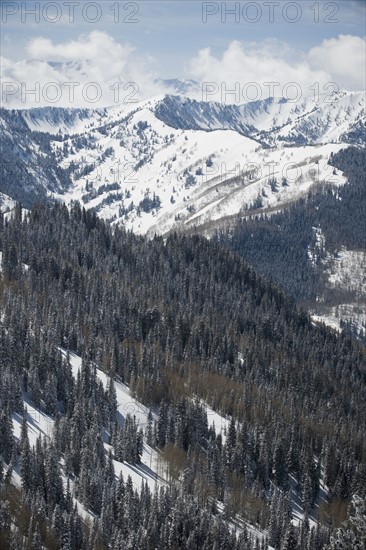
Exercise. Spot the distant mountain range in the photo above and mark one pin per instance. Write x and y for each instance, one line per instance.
(175, 163)
(203, 161)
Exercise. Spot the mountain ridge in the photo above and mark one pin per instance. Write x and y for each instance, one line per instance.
(156, 132)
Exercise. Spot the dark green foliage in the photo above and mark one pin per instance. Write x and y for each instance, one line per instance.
(278, 245)
(28, 166)
(180, 321)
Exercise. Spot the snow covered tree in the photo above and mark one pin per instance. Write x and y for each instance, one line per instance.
(290, 541)
(25, 457)
(6, 435)
(352, 534)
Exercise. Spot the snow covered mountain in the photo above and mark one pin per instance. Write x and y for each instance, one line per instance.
(171, 161)
(179, 86)
(274, 119)
(51, 120)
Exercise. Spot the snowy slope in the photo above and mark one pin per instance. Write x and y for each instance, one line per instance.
(54, 120)
(170, 161)
(6, 203)
(196, 176)
(346, 272)
(307, 121)
(152, 470)
(199, 177)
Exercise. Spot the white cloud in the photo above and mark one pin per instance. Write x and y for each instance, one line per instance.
(98, 58)
(340, 60)
(106, 54)
(96, 64)
(344, 58)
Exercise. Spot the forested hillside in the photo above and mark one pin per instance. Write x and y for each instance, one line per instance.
(296, 248)
(172, 163)
(29, 171)
(186, 324)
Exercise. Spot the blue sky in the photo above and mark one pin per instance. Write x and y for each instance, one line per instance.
(173, 31)
(309, 43)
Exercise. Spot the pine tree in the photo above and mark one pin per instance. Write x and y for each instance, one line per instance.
(6, 435)
(25, 457)
(53, 480)
(5, 522)
(290, 541)
(149, 429)
(352, 534)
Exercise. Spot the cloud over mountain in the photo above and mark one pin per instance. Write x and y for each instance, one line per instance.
(273, 62)
(97, 70)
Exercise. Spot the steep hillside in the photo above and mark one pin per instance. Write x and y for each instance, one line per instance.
(171, 161)
(178, 325)
(316, 248)
(29, 169)
(308, 121)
